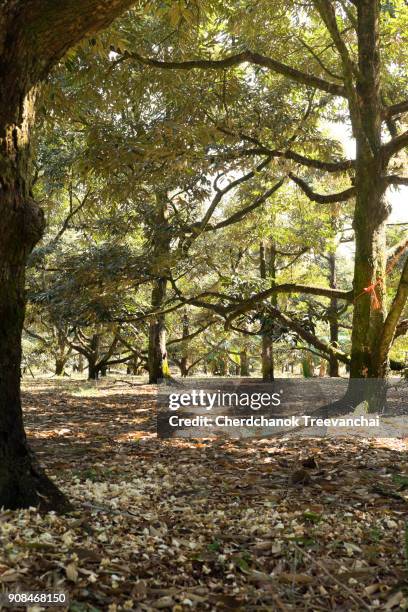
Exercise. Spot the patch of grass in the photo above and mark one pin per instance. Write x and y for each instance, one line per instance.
(375, 534)
(87, 391)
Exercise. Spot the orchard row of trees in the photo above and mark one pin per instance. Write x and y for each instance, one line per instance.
(197, 205)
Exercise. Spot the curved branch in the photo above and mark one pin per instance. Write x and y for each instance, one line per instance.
(331, 198)
(303, 160)
(237, 310)
(197, 332)
(307, 335)
(240, 214)
(395, 145)
(261, 149)
(241, 58)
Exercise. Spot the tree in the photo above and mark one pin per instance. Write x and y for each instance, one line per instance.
(34, 35)
(349, 71)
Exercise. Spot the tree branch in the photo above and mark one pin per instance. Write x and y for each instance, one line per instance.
(241, 58)
(70, 215)
(36, 336)
(320, 61)
(198, 228)
(395, 253)
(396, 109)
(240, 214)
(395, 145)
(308, 336)
(192, 335)
(303, 160)
(261, 149)
(331, 198)
(237, 310)
(394, 314)
(394, 179)
(328, 16)
(401, 329)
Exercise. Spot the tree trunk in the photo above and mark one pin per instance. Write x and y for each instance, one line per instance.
(268, 364)
(21, 226)
(63, 352)
(267, 270)
(222, 365)
(157, 353)
(93, 357)
(80, 363)
(371, 210)
(184, 347)
(157, 359)
(334, 320)
(33, 37)
(244, 363)
(59, 366)
(133, 367)
(93, 372)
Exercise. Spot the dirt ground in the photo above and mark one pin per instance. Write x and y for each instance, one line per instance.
(276, 524)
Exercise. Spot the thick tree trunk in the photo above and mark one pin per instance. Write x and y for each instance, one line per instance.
(33, 37)
(371, 210)
(60, 366)
(22, 483)
(93, 372)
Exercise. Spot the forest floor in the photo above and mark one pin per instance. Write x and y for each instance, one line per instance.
(280, 524)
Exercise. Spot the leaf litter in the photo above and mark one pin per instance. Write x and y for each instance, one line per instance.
(277, 524)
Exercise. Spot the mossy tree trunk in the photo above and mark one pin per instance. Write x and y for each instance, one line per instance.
(374, 324)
